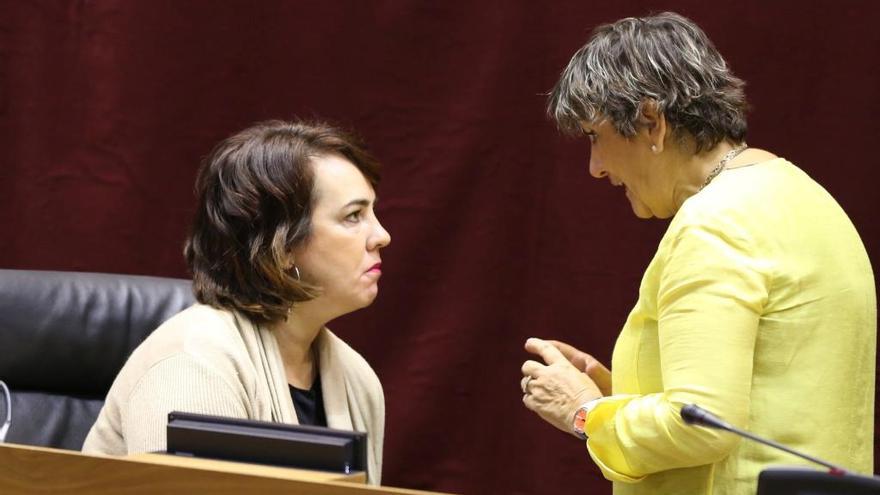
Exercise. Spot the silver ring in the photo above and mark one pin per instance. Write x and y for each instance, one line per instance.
(525, 385)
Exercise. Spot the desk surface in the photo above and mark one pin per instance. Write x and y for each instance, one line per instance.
(28, 469)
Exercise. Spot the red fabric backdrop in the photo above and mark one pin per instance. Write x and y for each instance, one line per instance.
(499, 233)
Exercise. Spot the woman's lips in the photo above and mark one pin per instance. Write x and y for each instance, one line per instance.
(377, 268)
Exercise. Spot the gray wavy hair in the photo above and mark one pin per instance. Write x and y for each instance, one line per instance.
(665, 59)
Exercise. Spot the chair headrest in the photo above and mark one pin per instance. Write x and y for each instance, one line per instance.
(71, 332)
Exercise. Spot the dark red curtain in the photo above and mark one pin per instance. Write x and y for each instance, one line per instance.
(499, 233)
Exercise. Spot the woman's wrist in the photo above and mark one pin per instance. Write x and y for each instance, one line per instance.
(579, 419)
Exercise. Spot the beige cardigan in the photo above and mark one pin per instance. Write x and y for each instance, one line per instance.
(210, 361)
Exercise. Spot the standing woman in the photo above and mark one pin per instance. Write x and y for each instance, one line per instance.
(285, 239)
(759, 304)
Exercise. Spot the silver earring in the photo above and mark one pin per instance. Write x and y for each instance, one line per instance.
(296, 271)
(654, 148)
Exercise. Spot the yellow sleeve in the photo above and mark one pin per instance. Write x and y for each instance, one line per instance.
(711, 294)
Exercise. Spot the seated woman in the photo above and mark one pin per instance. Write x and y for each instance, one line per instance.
(285, 239)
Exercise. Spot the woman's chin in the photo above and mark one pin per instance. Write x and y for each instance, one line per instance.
(641, 211)
(368, 296)
(352, 301)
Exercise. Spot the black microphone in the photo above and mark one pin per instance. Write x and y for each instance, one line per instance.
(695, 415)
(4, 427)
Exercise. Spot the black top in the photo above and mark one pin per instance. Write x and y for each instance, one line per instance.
(309, 404)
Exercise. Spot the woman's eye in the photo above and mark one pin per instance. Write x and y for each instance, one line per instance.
(591, 135)
(354, 216)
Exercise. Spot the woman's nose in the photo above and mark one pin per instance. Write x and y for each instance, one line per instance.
(380, 238)
(596, 169)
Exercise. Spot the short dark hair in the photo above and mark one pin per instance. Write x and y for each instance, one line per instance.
(663, 58)
(255, 198)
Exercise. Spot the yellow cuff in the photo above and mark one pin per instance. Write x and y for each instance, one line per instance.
(602, 443)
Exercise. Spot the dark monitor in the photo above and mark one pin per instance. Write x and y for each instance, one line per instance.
(805, 481)
(307, 447)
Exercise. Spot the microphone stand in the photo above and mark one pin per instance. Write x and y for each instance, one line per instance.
(695, 415)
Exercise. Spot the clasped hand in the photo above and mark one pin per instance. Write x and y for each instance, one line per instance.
(568, 378)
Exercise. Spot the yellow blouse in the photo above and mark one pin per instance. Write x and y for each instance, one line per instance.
(760, 307)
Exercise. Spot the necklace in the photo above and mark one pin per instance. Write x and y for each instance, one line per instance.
(730, 155)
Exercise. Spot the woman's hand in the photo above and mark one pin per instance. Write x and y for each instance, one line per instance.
(588, 364)
(555, 390)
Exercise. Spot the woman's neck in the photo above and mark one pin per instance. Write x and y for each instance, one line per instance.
(692, 171)
(295, 338)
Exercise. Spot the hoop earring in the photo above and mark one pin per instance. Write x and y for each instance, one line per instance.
(296, 271)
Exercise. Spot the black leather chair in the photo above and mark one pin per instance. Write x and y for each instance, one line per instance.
(63, 338)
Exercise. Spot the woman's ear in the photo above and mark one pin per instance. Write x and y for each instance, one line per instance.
(652, 124)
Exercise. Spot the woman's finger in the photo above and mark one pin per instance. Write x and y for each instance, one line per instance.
(600, 375)
(532, 368)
